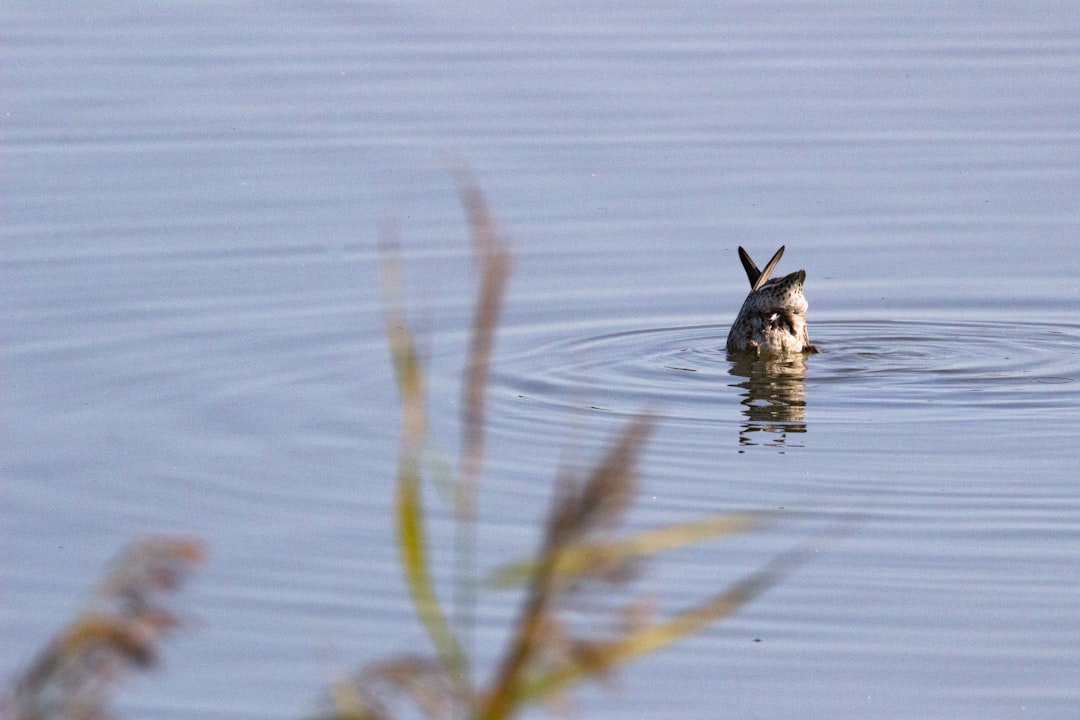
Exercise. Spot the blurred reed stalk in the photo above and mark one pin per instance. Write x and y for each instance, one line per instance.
(494, 263)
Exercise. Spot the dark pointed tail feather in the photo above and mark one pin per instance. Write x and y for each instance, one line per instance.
(762, 277)
(752, 272)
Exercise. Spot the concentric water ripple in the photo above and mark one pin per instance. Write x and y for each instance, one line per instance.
(866, 368)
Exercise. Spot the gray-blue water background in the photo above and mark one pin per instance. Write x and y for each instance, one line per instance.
(193, 341)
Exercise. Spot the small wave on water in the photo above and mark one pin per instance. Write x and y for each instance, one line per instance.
(962, 368)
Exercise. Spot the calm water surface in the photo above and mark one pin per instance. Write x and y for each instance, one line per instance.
(193, 339)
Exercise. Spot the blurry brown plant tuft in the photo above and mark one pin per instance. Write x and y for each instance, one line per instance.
(118, 633)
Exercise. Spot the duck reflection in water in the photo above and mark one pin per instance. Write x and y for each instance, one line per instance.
(773, 398)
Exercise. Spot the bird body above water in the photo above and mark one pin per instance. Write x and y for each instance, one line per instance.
(772, 319)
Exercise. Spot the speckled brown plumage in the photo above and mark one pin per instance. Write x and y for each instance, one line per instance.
(772, 319)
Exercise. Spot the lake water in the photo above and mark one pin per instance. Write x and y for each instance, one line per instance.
(193, 338)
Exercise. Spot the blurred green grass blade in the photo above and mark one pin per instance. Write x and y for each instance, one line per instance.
(606, 657)
(411, 529)
(581, 559)
(412, 541)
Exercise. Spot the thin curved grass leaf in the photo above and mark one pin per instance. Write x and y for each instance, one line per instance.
(605, 657)
(584, 558)
(412, 542)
